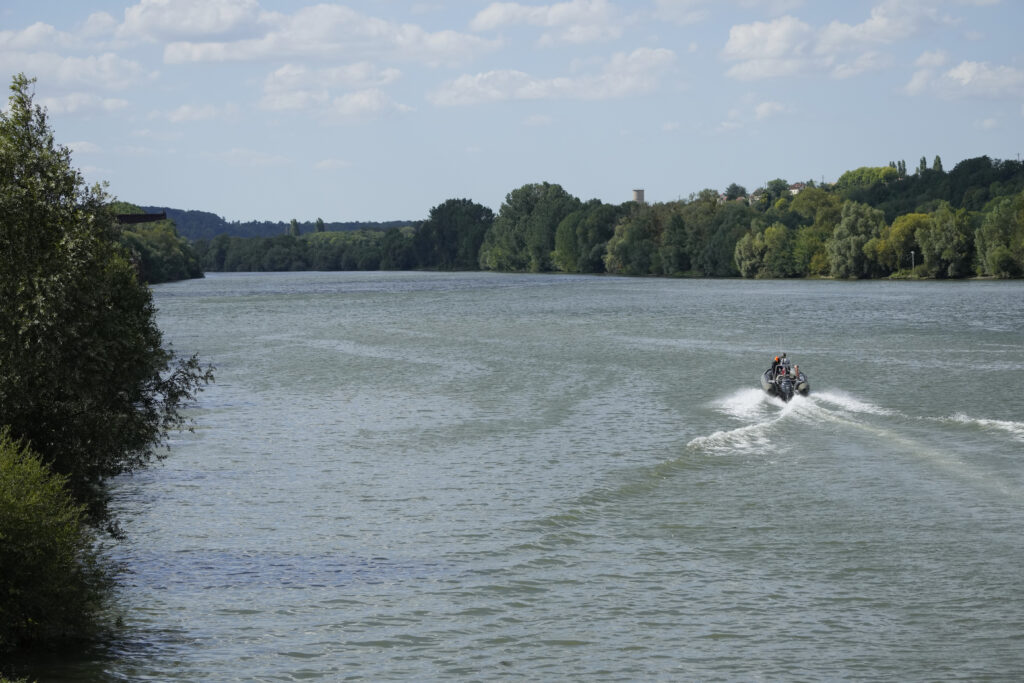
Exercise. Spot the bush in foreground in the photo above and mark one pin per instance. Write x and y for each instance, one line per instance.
(51, 577)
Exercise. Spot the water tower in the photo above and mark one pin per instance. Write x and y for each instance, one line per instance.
(638, 196)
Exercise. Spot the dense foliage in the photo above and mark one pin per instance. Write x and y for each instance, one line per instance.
(873, 222)
(84, 377)
(52, 582)
(391, 249)
(159, 253)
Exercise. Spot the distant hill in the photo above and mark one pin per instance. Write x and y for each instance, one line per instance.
(203, 225)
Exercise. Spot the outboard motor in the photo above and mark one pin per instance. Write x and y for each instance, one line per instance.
(785, 388)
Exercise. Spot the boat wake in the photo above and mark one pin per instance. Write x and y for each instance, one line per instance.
(758, 424)
(1014, 429)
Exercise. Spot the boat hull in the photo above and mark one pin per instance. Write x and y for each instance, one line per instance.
(785, 387)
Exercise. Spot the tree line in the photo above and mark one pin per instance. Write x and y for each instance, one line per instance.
(872, 222)
(195, 225)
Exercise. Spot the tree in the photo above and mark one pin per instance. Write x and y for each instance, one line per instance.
(450, 238)
(776, 190)
(749, 254)
(857, 225)
(937, 164)
(1000, 239)
(319, 224)
(396, 250)
(633, 249)
(294, 230)
(946, 243)
(891, 250)
(734, 192)
(522, 237)
(84, 377)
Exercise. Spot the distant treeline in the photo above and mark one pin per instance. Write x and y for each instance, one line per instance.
(195, 225)
(873, 222)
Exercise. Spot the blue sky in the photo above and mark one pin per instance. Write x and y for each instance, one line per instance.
(380, 110)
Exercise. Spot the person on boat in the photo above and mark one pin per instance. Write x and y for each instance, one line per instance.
(775, 365)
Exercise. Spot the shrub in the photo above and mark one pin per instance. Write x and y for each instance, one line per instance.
(51, 577)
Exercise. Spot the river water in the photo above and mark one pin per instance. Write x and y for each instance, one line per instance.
(471, 476)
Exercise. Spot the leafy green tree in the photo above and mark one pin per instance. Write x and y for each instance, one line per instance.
(84, 376)
(319, 224)
(728, 224)
(778, 257)
(451, 237)
(749, 254)
(946, 243)
(294, 229)
(891, 248)
(52, 581)
(865, 177)
(857, 225)
(937, 164)
(775, 190)
(522, 237)
(581, 239)
(633, 249)
(160, 254)
(674, 258)
(819, 212)
(766, 254)
(1000, 238)
(396, 250)
(734, 192)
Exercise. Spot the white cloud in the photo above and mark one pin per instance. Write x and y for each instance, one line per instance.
(978, 78)
(577, 21)
(107, 71)
(79, 102)
(771, 6)
(364, 103)
(780, 47)
(865, 62)
(331, 164)
(969, 79)
(36, 36)
(357, 75)
(681, 12)
(168, 19)
(932, 59)
(988, 124)
(766, 109)
(239, 156)
(297, 87)
(622, 76)
(331, 32)
(99, 24)
(203, 112)
(788, 46)
(890, 21)
(83, 147)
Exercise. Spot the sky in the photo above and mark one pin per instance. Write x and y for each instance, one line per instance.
(380, 110)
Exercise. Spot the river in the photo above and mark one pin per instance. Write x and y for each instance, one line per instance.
(472, 476)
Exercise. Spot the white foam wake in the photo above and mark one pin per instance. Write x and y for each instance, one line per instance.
(851, 404)
(745, 404)
(1015, 429)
